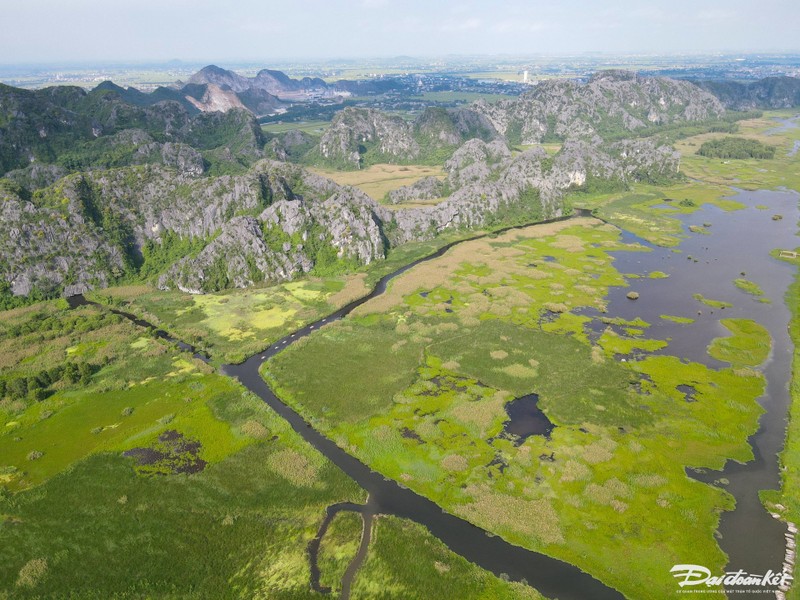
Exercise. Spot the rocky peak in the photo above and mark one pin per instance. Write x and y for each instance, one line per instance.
(356, 131)
(217, 99)
(218, 76)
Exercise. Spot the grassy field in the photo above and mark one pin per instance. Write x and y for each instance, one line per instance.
(312, 127)
(781, 171)
(498, 318)
(747, 346)
(133, 389)
(407, 563)
(378, 180)
(225, 509)
(787, 501)
(234, 324)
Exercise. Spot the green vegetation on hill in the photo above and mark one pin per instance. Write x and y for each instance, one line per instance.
(735, 148)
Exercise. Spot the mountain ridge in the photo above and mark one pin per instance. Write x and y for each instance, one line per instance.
(106, 186)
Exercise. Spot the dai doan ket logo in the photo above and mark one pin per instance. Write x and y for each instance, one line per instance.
(689, 575)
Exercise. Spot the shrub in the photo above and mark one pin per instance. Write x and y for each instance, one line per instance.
(736, 148)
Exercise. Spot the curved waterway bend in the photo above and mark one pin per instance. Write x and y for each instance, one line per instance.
(550, 576)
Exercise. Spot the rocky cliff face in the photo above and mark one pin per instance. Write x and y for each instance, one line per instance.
(490, 183)
(359, 135)
(475, 162)
(216, 89)
(216, 99)
(427, 188)
(271, 224)
(51, 250)
(214, 75)
(610, 104)
(290, 237)
(107, 189)
(356, 131)
(290, 146)
(277, 84)
(442, 128)
(267, 83)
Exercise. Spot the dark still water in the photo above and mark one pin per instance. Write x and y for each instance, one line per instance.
(525, 418)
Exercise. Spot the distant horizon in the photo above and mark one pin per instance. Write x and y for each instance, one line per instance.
(42, 32)
(222, 62)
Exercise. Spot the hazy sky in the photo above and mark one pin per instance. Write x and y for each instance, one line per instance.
(96, 30)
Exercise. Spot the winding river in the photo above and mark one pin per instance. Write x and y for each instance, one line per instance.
(552, 577)
(737, 242)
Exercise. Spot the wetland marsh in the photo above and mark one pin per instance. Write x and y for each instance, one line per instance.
(510, 382)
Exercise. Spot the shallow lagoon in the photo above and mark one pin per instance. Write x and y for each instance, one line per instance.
(737, 244)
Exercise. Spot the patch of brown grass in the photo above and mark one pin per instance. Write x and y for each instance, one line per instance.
(254, 429)
(377, 180)
(493, 254)
(294, 467)
(354, 288)
(534, 518)
(482, 413)
(455, 462)
(32, 572)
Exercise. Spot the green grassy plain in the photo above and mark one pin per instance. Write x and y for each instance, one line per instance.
(311, 127)
(750, 174)
(747, 346)
(494, 319)
(81, 520)
(233, 324)
(405, 562)
(786, 503)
